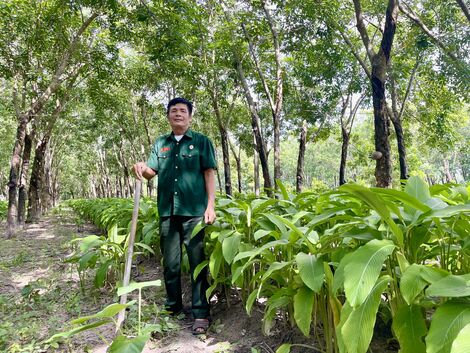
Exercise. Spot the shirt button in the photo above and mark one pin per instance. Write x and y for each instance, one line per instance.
(177, 155)
(177, 143)
(176, 179)
(176, 167)
(176, 192)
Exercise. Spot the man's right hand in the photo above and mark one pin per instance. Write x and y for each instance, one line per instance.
(139, 170)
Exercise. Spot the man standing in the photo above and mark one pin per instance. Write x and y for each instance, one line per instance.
(185, 162)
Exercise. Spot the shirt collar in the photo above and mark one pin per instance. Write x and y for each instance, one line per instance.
(188, 134)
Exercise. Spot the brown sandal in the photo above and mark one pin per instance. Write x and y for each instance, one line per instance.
(200, 326)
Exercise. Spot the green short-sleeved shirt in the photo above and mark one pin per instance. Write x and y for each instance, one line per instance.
(180, 168)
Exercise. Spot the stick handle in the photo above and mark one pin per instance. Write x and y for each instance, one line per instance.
(130, 250)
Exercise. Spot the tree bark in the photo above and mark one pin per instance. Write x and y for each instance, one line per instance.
(344, 155)
(23, 189)
(12, 216)
(301, 157)
(239, 165)
(256, 181)
(379, 62)
(224, 142)
(37, 179)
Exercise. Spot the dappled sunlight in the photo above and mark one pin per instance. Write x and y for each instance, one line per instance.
(23, 279)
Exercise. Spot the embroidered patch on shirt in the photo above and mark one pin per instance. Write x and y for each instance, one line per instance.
(164, 149)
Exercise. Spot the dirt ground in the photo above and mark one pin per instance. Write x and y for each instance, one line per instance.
(40, 294)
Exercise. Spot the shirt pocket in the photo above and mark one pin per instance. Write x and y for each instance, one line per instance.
(190, 160)
(163, 161)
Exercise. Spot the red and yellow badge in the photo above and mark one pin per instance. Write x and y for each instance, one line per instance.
(164, 149)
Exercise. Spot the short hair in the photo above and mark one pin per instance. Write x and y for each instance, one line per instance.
(177, 100)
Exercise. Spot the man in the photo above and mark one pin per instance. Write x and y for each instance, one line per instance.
(185, 162)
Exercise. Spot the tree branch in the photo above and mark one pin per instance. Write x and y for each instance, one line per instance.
(412, 16)
(464, 8)
(362, 29)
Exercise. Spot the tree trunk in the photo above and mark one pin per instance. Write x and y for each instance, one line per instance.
(238, 163)
(37, 180)
(379, 63)
(447, 174)
(224, 142)
(256, 127)
(256, 173)
(383, 168)
(344, 155)
(23, 189)
(12, 216)
(301, 157)
(401, 148)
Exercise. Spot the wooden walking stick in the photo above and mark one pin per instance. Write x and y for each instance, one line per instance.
(130, 251)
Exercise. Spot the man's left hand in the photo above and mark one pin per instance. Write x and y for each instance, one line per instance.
(209, 215)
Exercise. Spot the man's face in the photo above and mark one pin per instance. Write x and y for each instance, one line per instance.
(179, 117)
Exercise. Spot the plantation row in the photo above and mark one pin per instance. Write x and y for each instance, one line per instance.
(342, 258)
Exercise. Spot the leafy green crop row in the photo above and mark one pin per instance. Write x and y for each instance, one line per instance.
(344, 257)
(107, 254)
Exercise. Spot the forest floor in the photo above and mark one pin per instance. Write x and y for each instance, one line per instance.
(40, 294)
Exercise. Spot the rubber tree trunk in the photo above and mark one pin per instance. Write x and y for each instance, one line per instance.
(301, 157)
(378, 76)
(344, 155)
(260, 145)
(401, 147)
(226, 159)
(12, 216)
(383, 168)
(37, 181)
(256, 173)
(23, 189)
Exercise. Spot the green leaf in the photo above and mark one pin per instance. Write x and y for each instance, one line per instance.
(230, 247)
(250, 301)
(410, 327)
(200, 226)
(404, 197)
(146, 247)
(215, 260)
(260, 233)
(199, 268)
(448, 320)
(101, 273)
(417, 188)
(122, 344)
(363, 268)
(416, 278)
(358, 328)
(339, 276)
(461, 343)
(303, 307)
(277, 221)
(378, 204)
(275, 266)
(447, 212)
(310, 270)
(450, 286)
(283, 189)
(108, 312)
(70, 333)
(138, 285)
(284, 348)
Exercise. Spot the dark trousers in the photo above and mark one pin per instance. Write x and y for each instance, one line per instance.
(174, 232)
